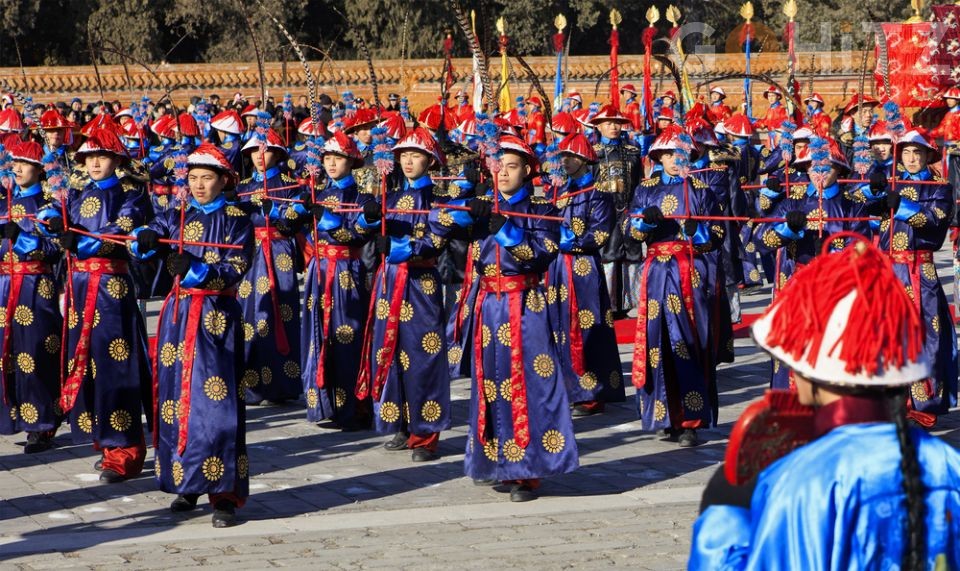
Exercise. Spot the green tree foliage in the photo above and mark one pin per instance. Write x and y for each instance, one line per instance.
(54, 32)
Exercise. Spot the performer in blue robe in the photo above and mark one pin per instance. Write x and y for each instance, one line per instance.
(269, 293)
(107, 385)
(919, 227)
(336, 295)
(200, 436)
(576, 285)
(32, 324)
(868, 492)
(405, 368)
(520, 429)
(672, 364)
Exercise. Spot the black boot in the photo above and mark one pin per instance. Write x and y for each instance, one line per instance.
(184, 503)
(98, 465)
(38, 442)
(522, 493)
(688, 438)
(111, 477)
(224, 514)
(423, 455)
(398, 442)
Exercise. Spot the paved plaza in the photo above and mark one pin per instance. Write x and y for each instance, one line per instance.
(323, 499)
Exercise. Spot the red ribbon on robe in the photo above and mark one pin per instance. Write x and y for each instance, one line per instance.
(390, 336)
(513, 287)
(97, 268)
(266, 236)
(17, 271)
(331, 254)
(576, 336)
(464, 290)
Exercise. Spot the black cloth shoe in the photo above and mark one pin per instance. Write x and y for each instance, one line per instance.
(688, 439)
(37, 442)
(521, 493)
(667, 434)
(423, 455)
(111, 477)
(224, 514)
(582, 410)
(487, 483)
(184, 503)
(98, 465)
(398, 442)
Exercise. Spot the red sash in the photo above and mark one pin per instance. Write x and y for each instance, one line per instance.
(513, 287)
(16, 270)
(576, 335)
(332, 254)
(683, 254)
(266, 237)
(913, 259)
(97, 268)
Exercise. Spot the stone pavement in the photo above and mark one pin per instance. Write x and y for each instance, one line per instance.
(323, 499)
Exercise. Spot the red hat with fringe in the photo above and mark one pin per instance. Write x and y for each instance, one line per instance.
(102, 141)
(420, 139)
(341, 144)
(11, 121)
(609, 113)
(187, 125)
(578, 144)
(227, 121)
(28, 152)
(210, 156)
(514, 144)
(274, 142)
(564, 124)
(53, 119)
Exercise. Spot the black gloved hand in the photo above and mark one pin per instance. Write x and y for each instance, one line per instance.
(480, 208)
(266, 205)
(69, 240)
(11, 230)
(286, 227)
(316, 210)
(690, 227)
(481, 188)
(372, 212)
(382, 244)
(652, 215)
(178, 264)
(893, 201)
(55, 225)
(147, 240)
(773, 183)
(307, 200)
(230, 194)
(878, 182)
(796, 220)
(496, 222)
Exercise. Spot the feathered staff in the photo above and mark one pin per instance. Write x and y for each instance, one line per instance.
(287, 108)
(560, 22)
(897, 129)
(676, 46)
(789, 37)
(746, 35)
(532, 76)
(405, 110)
(478, 54)
(786, 142)
(615, 20)
(862, 157)
(883, 60)
(646, 97)
(383, 160)
(504, 89)
(59, 190)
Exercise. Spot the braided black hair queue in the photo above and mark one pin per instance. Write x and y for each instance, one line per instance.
(914, 555)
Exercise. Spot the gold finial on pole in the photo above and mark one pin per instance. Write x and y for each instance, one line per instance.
(790, 9)
(673, 15)
(653, 15)
(746, 11)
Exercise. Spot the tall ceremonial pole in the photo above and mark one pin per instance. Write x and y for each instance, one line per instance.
(560, 22)
(615, 20)
(505, 101)
(746, 33)
(673, 16)
(789, 34)
(646, 104)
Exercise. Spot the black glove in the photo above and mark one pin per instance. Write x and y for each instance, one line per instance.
(147, 240)
(317, 210)
(55, 225)
(652, 215)
(372, 212)
(721, 492)
(878, 182)
(11, 230)
(230, 194)
(382, 244)
(893, 201)
(496, 222)
(178, 264)
(690, 227)
(69, 240)
(286, 227)
(773, 183)
(796, 220)
(307, 200)
(266, 205)
(817, 246)
(480, 208)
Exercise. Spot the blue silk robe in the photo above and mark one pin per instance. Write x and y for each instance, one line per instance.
(205, 393)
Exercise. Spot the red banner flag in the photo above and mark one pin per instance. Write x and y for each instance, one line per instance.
(907, 63)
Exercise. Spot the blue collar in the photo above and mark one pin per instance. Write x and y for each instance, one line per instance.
(700, 163)
(345, 182)
(607, 141)
(829, 192)
(717, 103)
(518, 196)
(669, 179)
(816, 111)
(29, 191)
(58, 151)
(584, 181)
(107, 183)
(630, 99)
(422, 182)
(739, 141)
(953, 109)
(271, 172)
(922, 175)
(362, 147)
(212, 206)
(228, 137)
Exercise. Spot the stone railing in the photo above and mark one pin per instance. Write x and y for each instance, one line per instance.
(835, 76)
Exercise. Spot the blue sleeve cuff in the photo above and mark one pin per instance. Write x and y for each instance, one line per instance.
(867, 193)
(721, 538)
(567, 238)
(769, 193)
(330, 221)
(135, 248)
(46, 214)
(640, 226)
(461, 218)
(197, 274)
(362, 222)
(509, 236)
(701, 236)
(400, 249)
(299, 209)
(274, 212)
(908, 209)
(25, 244)
(785, 231)
(87, 247)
